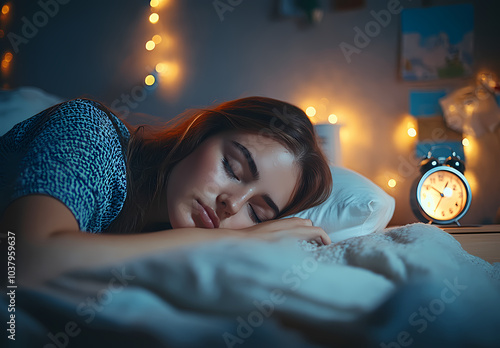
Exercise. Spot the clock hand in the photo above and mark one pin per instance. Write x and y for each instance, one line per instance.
(442, 195)
(437, 205)
(432, 187)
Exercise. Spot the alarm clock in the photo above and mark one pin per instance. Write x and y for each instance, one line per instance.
(442, 194)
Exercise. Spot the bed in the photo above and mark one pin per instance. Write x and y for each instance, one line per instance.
(374, 286)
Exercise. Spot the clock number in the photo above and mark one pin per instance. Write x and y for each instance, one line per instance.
(460, 195)
(454, 187)
(440, 177)
(451, 211)
(433, 180)
(442, 213)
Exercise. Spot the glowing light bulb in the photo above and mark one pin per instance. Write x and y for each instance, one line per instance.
(156, 39)
(150, 45)
(7, 57)
(465, 142)
(149, 80)
(154, 3)
(5, 9)
(391, 183)
(5, 64)
(154, 17)
(310, 111)
(333, 119)
(412, 132)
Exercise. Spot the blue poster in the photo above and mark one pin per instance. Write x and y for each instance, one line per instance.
(437, 42)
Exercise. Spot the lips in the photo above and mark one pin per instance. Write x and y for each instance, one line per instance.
(208, 217)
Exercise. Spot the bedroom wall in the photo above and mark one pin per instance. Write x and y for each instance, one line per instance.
(96, 49)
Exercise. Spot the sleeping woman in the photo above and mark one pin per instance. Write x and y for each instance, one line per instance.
(79, 187)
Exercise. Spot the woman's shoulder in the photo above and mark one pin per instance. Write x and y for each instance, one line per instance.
(90, 114)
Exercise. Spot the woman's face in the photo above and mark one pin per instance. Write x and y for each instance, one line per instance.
(232, 180)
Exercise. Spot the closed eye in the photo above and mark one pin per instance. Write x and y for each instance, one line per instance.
(229, 170)
(254, 216)
(230, 173)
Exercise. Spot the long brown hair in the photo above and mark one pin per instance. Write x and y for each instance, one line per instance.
(153, 152)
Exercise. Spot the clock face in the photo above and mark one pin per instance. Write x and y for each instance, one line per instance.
(443, 194)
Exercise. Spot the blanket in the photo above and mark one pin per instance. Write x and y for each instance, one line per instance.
(404, 286)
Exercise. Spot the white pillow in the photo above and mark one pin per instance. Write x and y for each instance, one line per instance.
(356, 207)
(16, 105)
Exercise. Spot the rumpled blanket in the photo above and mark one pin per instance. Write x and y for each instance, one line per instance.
(408, 286)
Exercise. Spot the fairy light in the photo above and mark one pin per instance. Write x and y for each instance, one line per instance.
(412, 132)
(154, 3)
(5, 9)
(156, 39)
(333, 119)
(154, 17)
(7, 57)
(149, 80)
(310, 111)
(161, 67)
(150, 45)
(465, 142)
(391, 183)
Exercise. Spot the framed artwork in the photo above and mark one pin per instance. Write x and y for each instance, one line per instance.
(437, 42)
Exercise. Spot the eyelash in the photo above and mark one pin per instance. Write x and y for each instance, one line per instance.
(230, 173)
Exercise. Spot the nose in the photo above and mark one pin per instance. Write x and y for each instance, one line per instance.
(230, 203)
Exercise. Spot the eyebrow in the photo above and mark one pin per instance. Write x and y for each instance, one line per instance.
(256, 174)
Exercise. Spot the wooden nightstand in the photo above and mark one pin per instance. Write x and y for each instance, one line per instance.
(482, 241)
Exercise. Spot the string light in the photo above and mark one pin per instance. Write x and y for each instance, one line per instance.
(149, 80)
(154, 3)
(333, 119)
(465, 142)
(5, 9)
(154, 17)
(412, 132)
(156, 39)
(150, 45)
(310, 111)
(391, 183)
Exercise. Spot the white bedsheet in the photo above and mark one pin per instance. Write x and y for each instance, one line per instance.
(412, 284)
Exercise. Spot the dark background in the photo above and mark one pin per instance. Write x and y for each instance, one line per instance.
(96, 49)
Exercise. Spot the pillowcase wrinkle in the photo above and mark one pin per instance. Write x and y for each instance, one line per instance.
(356, 207)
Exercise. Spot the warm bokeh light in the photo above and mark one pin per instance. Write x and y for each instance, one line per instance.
(150, 45)
(168, 71)
(5, 9)
(310, 111)
(465, 142)
(412, 132)
(154, 17)
(7, 57)
(161, 67)
(149, 80)
(402, 140)
(333, 119)
(154, 3)
(5, 64)
(156, 39)
(391, 183)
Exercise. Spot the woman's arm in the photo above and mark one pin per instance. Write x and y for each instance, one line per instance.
(49, 242)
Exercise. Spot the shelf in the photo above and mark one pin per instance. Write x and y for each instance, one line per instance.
(471, 229)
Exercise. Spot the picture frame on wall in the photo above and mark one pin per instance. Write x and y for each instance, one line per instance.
(437, 42)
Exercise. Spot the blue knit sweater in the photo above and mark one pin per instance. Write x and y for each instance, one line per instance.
(73, 154)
